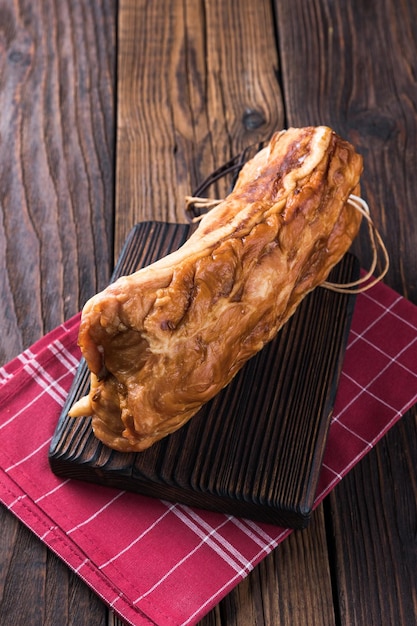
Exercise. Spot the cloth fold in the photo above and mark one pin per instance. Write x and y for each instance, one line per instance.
(155, 562)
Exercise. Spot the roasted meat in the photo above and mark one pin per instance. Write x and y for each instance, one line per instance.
(163, 341)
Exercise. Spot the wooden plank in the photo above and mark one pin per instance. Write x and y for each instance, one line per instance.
(195, 86)
(172, 133)
(57, 67)
(358, 65)
(56, 163)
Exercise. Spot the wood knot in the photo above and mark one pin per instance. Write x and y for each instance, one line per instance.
(376, 125)
(253, 119)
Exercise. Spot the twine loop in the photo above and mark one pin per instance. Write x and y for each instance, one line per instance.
(377, 243)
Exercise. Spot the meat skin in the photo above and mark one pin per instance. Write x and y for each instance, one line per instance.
(165, 340)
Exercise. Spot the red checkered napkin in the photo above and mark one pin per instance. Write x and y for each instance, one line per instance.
(158, 562)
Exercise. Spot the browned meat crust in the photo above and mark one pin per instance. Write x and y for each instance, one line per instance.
(166, 339)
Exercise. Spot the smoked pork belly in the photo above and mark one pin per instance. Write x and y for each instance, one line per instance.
(165, 340)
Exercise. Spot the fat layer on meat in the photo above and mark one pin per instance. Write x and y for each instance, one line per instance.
(163, 341)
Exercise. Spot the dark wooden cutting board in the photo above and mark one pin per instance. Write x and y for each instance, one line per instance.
(256, 449)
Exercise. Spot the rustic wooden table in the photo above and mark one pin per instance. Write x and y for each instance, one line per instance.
(110, 113)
